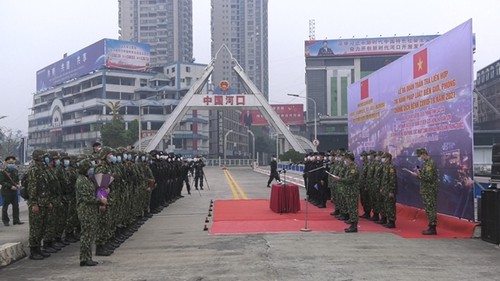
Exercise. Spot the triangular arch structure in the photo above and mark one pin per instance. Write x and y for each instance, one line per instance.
(251, 100)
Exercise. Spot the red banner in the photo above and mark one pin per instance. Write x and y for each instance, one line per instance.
(291, 114)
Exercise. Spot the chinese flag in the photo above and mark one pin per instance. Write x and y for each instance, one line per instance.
(420, 63)
(364, 89)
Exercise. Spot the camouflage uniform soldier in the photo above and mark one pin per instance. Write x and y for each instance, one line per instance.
(38, 203)
(389, 190)
(376, 201)
(69, 196)
(428, 177)
(364, 189)
(350, 182)
(104, 216)
(51, 244)
(87, 208)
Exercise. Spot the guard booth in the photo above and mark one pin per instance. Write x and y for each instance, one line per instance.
(490, 202)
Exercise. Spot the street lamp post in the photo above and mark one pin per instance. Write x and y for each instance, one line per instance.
(315, 113)
(225, 144)
(253, 144)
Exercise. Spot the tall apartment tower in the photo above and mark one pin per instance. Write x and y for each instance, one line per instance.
(166, 25)
(242, 26)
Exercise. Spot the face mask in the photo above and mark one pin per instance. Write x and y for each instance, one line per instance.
(90, 172)
(119, 159)
(361, 158)
(143, 158)
(384, 160)
(331, 158)
(11, 166)
(421, 159)
(57, 162)
(150, 161)
(129, 157)
(113, 159)
(346, 162)
(66, 163)
(369, 157)
(46, 160)
(93, 162)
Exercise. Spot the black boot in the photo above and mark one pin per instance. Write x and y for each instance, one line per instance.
(346, 217)
(430, 231)
(47, 247)
(34, 254)
(61, 242)
(70, 237)
(382, 221)
(366, 215)
(353, 228)
(42, 253)
(390, 224)
(88, 263)
(322, 205)
(101, 251)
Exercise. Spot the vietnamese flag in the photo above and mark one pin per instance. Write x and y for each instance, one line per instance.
(420, 63)
(364, 89)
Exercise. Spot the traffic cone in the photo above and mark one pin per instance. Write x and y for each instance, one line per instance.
(205, 228)
(206, 220)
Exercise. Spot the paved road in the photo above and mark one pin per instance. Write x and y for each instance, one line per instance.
(173, 246)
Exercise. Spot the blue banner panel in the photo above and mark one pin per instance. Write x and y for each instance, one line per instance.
(424, 99)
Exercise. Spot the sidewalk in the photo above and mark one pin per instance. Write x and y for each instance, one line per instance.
(14, 238)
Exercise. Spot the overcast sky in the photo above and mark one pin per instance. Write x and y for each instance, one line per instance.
(36, 33)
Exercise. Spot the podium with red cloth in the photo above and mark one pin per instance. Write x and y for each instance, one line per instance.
(285, 198)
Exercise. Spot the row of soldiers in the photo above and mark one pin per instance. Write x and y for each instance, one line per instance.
(143, 184)
(335, 176)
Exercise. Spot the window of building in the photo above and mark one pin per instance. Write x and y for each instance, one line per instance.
(188, 69)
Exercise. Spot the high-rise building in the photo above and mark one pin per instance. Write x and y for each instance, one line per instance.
(488, 86)
(241, 25)
(166, 25)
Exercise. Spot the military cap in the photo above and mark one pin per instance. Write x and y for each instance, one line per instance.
(96, 144)
(387, 155)
(64, 155)
(38, 154)
(380, 153)
(105, 150)
(54, 154)
(10, 159)
(349, 155)
(85, 164)
(364, 153)
(372, 152)
(421, 151)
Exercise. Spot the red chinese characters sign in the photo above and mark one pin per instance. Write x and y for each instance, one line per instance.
(237, 100)
(291, 114)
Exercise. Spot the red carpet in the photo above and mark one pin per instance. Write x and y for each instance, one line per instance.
(254, 216)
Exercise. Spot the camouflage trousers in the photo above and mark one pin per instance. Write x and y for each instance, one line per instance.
(365, 196)
(87, 238)
(389, 207)
(351, 200)
(429, 198)
(38, 224)
(376, 199)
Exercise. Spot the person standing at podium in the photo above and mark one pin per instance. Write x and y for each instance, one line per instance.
(274, 171)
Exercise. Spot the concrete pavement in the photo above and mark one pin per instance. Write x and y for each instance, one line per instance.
(173, 246)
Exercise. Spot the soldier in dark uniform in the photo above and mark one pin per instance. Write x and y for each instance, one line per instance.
(274, 175)
(364, 189)
(428, 177)
(199, 174)
(87, 209)
(9, 180)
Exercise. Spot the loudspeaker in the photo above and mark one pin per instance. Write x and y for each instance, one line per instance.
(495, 171)
(490, 215)
(495, 153)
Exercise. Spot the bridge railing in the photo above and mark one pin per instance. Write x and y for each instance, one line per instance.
(229, 162)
